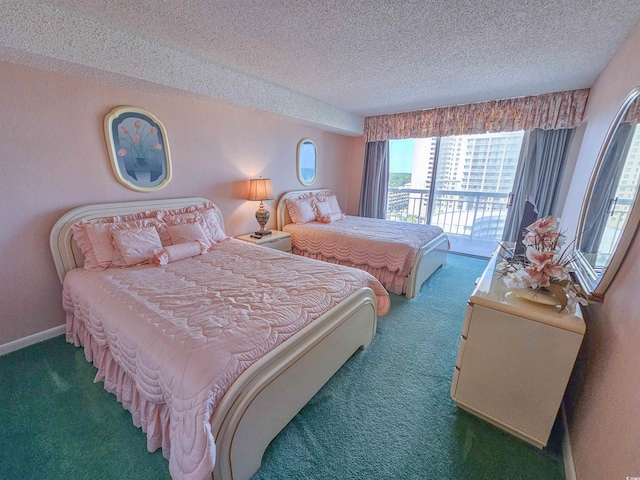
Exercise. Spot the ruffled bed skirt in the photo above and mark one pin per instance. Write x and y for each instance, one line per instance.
(391, 281)
(152, 417)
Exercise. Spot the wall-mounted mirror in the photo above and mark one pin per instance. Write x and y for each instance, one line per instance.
(307, 161)
(610, 213)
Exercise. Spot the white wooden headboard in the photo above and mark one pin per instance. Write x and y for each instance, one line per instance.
(66, 253)
(283, 217)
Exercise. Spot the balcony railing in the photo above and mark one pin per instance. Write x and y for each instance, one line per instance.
(469, 214)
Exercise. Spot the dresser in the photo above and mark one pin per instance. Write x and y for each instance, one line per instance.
(514, 359)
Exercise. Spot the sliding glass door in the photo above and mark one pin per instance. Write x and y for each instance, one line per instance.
(460, 183)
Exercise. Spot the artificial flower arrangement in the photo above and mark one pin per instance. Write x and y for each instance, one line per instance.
(545, 265)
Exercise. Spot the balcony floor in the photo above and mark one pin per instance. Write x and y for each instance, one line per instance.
(475, 247)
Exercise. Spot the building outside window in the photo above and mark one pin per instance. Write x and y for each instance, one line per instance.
(460, 183)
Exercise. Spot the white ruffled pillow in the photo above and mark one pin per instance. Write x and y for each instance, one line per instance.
(301, 210)
(327, 209)
(94, 238)
(186, 232)
(205, 216)
(135, 245)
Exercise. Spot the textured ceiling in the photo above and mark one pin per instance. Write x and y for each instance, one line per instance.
(325, 62)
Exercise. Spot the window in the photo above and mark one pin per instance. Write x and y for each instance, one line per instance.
(467, 195)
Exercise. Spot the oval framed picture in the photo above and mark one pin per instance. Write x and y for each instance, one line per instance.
(138, 149)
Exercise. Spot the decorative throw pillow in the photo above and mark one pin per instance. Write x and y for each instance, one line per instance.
(205, 214)
(327, 209)
(332, 217)
(94, 239)
(176, 252)
(95, 244)
(209, 216)
(188, 232)
(134, 246)
(301, 209)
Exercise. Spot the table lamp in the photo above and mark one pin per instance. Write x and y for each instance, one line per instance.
(261, 189)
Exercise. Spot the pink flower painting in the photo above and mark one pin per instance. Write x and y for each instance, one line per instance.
(138, 148)
(139, 142)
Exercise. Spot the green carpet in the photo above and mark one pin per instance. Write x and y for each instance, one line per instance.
(386, 414)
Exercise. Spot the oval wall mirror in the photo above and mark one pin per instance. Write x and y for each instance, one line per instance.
(307, 161)
(610, 212)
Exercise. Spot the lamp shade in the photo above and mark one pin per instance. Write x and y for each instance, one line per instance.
(260, 189)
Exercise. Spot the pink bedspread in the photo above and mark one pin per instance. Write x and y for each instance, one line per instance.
(170, 340)
(378, 244)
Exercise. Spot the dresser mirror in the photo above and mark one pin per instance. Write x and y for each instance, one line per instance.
(307, 161)
(610, 213)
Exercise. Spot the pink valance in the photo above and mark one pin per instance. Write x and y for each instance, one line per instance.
(549, 111)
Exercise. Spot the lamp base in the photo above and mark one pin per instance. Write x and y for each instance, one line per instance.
(262, 234)
(262, 216)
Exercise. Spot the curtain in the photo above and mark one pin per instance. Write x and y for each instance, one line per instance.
(551, 111)
(375, 180)
(605, 187)
(539, 175)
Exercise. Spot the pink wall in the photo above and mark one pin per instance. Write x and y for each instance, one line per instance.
(53, 159)
(603, 403)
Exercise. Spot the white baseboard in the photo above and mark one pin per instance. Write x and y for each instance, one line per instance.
(567, 454)
(31, 340)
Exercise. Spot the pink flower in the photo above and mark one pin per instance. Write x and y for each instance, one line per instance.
(124, 130)
(551, 239)
(137, 124)
(136, 137)
(544, 263)
(531, 238)
(122, 152)
(153, 130)
(537, 279)
(554, 270)
(544, 225)
(157, 146)
(539, 258)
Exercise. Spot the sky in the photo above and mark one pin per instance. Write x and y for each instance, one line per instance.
(401, 155)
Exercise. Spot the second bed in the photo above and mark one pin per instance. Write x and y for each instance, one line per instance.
(400, 255)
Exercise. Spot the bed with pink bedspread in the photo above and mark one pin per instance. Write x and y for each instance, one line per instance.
(215, 353)
(400, 255)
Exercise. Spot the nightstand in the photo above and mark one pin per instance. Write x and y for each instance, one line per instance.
(278, 240)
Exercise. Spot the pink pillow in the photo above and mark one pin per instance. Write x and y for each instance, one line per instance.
(134, 246)
(212, 235)
(216, 231)
(327, 209)
(206, 214)
(118, 257)
(327, 204)
(95, 244)
(332, 217)
(94, 239)
(187, 232)
(176, 252)
(301, 209)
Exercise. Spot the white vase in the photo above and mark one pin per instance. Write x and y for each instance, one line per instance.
(538, 296)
